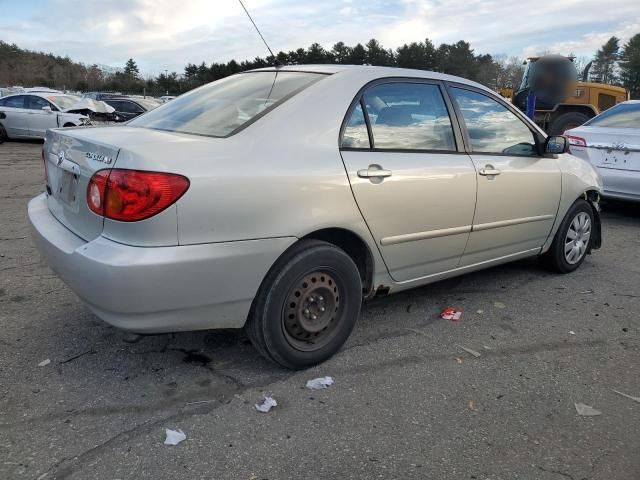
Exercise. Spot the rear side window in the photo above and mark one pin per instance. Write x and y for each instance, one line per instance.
(14, 102)
(492, 127)
(221, 108)
(624, 115)
(409, 116)
(355, 131)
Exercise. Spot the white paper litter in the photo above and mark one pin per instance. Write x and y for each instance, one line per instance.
(44, 363)
(586, 410)
(469, 351)
(174, 437)
(319, 383)
(571, 332)
(266, 404)
(631, 397)
(499, 305)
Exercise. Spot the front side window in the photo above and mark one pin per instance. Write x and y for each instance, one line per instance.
(409, 116)
(624, 115)
(222, 107)
(492, 127)
(355, 131)
(36, 103)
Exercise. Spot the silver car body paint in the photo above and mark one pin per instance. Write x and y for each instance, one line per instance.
(199, 263)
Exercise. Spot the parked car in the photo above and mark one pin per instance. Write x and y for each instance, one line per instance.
(278, 199)
(611, 142)
(30, 115)
(126, 107)
(166, 98)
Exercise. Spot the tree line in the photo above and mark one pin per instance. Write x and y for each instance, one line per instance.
(612, 64)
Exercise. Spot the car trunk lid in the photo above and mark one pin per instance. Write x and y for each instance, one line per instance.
(612, 148)
(70, 162)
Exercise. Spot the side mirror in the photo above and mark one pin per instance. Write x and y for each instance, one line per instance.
(556, 145)
(47, 109)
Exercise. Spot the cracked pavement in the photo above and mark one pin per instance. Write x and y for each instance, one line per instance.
(407, 401)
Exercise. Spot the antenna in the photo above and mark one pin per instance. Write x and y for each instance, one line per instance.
(275, 60)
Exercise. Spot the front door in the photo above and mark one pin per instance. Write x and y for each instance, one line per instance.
(518, 189)
(40, 120)
(415, 190)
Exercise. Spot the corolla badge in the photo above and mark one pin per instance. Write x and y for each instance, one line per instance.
(98, 158)
(61, 158)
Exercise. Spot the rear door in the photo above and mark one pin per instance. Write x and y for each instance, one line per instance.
(15, 116)
(414, 187)
(518, 189)
(40, 120)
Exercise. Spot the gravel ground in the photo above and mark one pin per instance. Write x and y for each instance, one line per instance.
(407, 401)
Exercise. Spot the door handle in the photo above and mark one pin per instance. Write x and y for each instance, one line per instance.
(489, 171)
(374, 171)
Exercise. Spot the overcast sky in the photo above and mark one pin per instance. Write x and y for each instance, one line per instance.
(161, 34)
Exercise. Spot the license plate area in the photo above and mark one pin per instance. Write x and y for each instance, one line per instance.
(64, 184)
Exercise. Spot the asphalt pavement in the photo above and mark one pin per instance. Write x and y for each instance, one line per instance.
(408, 401)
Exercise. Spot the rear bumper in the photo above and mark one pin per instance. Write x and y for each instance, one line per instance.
(157, 289)
(620, 184)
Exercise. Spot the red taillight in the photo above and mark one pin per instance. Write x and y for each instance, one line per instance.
(132, 195)
(576, 141)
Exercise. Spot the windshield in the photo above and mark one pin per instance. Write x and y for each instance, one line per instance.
(220, 108)
(63, 101)
(147, 103)
(624, 115)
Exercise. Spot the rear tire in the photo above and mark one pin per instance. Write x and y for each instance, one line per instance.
(307, 305)
(573, 239)
(567, 121)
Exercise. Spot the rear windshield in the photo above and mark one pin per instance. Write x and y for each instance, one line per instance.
(625, 115)
(221, 108)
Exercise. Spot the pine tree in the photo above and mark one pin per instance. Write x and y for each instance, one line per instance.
(131, 68)
(603, 69)
(630, 66)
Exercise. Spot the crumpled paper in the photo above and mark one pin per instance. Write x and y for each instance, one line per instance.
(266, 404)
(174, 437)
(319, 383)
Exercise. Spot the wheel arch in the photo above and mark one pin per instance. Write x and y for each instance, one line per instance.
(354, 246)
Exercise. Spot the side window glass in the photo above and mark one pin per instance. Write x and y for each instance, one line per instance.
(355, 132)
(409, 116)
(36, 103)
(492, 127)
(14, 102)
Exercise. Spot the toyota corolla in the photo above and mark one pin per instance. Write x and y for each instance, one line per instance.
(278, 199)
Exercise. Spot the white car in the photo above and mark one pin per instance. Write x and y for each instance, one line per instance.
(611, 142)
(29, 115)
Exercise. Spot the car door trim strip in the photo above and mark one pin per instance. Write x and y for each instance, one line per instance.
(412, 237)
(507, 223)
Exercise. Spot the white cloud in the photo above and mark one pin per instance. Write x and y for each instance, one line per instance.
(163, 34)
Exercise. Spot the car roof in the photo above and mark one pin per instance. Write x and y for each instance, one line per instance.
(372, 71)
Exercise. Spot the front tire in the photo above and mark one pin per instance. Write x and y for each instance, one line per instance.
(3, 135)
(573, 239)
(307, 305)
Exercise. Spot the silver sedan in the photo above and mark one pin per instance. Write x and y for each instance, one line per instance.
(611, 142)
(29, 115)
(278, 199)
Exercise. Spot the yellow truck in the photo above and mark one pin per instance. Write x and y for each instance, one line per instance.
(582, 101)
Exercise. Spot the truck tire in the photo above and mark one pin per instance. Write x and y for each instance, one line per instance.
(307, 305)
(567, 121)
